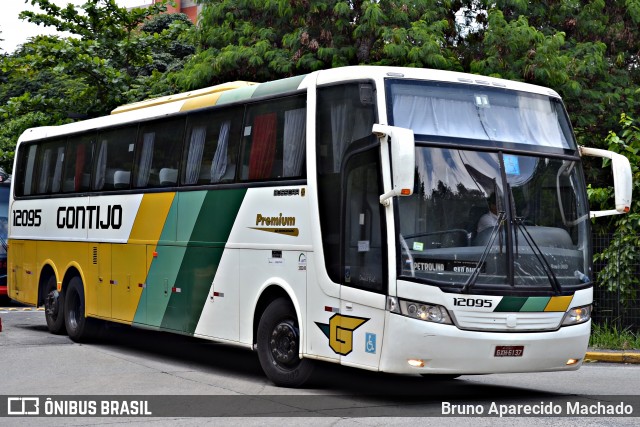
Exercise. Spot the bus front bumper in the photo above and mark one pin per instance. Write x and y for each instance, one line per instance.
(445, 349)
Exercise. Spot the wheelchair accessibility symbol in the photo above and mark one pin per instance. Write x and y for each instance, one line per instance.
(370, 340)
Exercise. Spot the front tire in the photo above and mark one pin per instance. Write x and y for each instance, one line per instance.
(54, 307)
(79, 328)
(279, 346)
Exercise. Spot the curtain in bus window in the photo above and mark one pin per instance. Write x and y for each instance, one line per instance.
(341, 122)
(540, 120)
(219, 163)
(295, 125)
(194, 157)
(44, 171)
(263, 147)
(101, 166)
(437, 116)
(146, 156)
(57, 172)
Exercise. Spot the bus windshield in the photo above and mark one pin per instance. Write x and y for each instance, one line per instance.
(479, 218)
(490, 219)
(480, 113)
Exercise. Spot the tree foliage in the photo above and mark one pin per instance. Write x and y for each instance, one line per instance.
(261, 40)
(623, 254)
(114, 56)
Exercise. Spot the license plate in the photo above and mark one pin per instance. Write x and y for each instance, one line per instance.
(509, 351)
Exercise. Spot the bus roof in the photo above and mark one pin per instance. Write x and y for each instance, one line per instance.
(241, 90)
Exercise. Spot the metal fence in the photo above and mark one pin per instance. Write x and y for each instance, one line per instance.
(608, 305)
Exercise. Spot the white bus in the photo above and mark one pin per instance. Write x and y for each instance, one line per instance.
(330, 217)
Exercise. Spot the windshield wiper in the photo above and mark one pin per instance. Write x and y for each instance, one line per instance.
(519, 222)
(492, 237)
(553, 280)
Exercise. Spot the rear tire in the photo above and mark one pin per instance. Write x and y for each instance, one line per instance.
(79, 328)
(279, 346)
(54, 307)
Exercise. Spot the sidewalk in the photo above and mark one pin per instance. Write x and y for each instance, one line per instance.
(612, 356)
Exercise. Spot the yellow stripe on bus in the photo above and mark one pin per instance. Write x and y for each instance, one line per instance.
(151, 217)
(559, 303)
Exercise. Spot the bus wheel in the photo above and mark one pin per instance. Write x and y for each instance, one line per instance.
(54, 307)
(79, 328)
(279, 346)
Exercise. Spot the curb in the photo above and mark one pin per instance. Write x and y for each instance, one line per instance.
(613, 356)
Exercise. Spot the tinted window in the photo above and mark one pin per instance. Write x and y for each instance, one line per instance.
(49, 167)
(158, 153)
(77, 164)
(274, 140)
(26, 166)
(114, 159)
(211, 149)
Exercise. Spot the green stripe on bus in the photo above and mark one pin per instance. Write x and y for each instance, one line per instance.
(234, 95)
(213, 224)
(278, 86)
(164, 267)
(510, 304)
(535, 304)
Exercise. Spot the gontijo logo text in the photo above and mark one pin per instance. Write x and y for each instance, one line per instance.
(74, 217)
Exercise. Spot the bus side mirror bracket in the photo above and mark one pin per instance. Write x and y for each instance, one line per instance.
(403, 159)
(621, 180)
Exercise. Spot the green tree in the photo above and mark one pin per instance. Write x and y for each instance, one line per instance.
(115, 56)
(587, 50)
(623, 254)
(263, 40)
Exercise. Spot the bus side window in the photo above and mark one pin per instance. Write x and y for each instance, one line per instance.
(274, 140)
(158, 153)
(25, 174)
(78, 161)
(114, 159)
(211, 148)
(49, 167)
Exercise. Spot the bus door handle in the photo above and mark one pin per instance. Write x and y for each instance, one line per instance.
(348, 306)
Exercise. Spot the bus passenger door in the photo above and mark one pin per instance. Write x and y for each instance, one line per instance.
(363, 290)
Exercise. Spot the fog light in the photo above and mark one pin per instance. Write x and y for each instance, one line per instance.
(416, 363)
(572, 361)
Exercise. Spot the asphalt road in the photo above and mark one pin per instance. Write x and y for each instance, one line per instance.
(228, 381)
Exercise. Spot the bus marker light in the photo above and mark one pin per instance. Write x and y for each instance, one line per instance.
(416, 363)
(405, 192)
(331, 309)
(572, 361)
(176, 290)
(218, 294)
(142, 285)
(155, 254)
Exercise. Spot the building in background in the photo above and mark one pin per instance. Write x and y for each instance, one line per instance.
(188, 7)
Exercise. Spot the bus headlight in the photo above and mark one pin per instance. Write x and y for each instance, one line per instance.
(425, 311)
(577, 315)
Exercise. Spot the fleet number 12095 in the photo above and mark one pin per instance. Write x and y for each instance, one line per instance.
(472, 302)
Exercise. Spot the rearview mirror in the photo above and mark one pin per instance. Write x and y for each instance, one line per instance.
(403, 159)
(621, 180)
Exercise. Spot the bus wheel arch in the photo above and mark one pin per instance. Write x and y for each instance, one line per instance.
(52, 299)
(277, 334)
